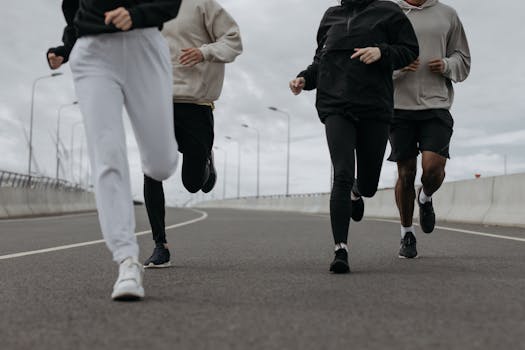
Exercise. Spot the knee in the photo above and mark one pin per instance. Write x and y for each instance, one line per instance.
(160, 174)
(368, 191)
(191, 186)
(407, 178)
(160, 171)
(433, 174)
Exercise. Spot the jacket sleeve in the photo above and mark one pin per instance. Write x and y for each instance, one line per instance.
(224, 33)
(155, 13)
(402, 47)
(69, 8)
(310, 73)
(457, 62)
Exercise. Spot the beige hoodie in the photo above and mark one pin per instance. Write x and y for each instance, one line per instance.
(440, 35)
(203, 24)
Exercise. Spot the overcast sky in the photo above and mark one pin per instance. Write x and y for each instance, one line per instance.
(279, 41)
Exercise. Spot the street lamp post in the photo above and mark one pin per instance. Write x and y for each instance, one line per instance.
(32, 117)
(231, 139)
(275, 109)
(258, 155)
(73, 129)
(58, 133)
(225, 167)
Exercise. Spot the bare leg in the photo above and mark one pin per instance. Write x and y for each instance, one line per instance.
(433, 172)
(405, 192)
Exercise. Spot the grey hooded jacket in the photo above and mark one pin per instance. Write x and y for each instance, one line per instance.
(441, 35)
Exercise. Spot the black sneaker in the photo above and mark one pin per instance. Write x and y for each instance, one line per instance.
(340, 263)
(160, 258)
(408, 246)
(427, 217)
(358, 209)
(212, 176)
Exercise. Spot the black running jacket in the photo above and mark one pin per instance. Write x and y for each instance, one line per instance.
(348, 86)
(86, 17)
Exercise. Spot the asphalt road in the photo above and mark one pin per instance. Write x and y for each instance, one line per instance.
(259, 280)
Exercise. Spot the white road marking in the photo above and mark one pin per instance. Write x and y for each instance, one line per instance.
(468, 232)
(203, 216)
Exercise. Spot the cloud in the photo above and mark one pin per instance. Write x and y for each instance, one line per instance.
(279, 40)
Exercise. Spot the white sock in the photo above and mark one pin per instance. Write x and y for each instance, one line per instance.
(353, 196)
(341, 246)
(423, 198)
(404, 230)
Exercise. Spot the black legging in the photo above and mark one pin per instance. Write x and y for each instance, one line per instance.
(367, 138)
(194, 134)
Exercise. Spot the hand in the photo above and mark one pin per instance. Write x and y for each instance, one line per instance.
(437, 66)
(55, 61)
(368, 55)
(120, 18)
(412, 67)
(297, 85)
(191, 57)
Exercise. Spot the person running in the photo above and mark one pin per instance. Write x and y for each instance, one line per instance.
(119, 58)
(202, 39)
(360, 43)
(423, 95)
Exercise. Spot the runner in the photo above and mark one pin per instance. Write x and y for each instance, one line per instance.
(360, 42)
(119, 58)
(422, 121)
(202, 39)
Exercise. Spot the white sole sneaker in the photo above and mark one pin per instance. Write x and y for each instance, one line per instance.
(128, 293)
(161, 266)
(128, 286)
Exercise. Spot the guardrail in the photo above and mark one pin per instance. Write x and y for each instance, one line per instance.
(15, 180)
(492, 201)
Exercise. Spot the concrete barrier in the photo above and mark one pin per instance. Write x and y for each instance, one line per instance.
(491, 201)
(21, 202)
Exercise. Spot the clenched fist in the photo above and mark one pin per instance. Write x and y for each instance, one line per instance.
(120, 18)
(55, 61)
(297, 85)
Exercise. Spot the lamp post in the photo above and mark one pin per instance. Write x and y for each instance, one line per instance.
(32, 118)
(275, 109)
(258, 155)
(58, 132)
(73, 129)
(225, 167)
(231, 139)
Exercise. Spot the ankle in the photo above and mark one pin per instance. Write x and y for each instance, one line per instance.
(423, 197)
(341, 246)
(405, 230)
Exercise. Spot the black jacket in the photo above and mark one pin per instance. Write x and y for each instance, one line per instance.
(86, 17)
(348, 86)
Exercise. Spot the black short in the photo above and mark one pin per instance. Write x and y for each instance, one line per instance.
(412, 132)
(193, 128)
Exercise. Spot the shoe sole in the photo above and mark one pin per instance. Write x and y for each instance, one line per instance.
(407, 257)
(160, 266)
(128, 294)
(340, 268)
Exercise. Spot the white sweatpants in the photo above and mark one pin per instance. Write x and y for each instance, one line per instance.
(131, 69)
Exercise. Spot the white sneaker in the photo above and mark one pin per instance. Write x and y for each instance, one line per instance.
(128, 286)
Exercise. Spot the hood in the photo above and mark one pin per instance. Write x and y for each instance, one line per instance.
(406, 6)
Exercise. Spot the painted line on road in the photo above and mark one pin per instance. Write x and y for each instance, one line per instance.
(203, 216)
(468, 232)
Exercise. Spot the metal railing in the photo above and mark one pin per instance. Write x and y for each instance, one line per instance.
(15, 180)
